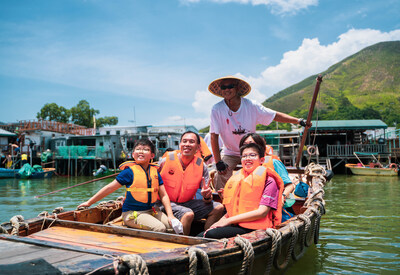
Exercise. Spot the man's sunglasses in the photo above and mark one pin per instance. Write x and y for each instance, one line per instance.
(227, 87)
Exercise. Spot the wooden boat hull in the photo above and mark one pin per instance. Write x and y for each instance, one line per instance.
(7, 173)
(96, 244)
(368, 171)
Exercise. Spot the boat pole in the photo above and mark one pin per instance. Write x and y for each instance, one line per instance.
(310, 113)
(79, 184)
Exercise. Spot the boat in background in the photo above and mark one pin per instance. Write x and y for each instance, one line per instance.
(373, 170)
(7, 173)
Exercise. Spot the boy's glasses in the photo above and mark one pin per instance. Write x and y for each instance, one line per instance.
(143, 150)
(250, 156)
(227, 87)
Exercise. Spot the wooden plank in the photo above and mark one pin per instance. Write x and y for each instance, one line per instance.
(20, 252)
(100, 240)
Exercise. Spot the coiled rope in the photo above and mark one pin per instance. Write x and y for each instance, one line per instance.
(307, 223)
(3, 230)
(294, 235)
(195, 252)
(136, 264)
(316, 223)
(16, 222)
(276, 238)
(58, 210)
(248, 252)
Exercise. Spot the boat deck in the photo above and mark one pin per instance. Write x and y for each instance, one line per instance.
(100, 240)
(23, 258)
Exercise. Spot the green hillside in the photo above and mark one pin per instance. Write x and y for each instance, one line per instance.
(365, 85)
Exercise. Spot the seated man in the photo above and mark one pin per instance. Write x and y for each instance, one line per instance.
(252, 197)
(183, 174)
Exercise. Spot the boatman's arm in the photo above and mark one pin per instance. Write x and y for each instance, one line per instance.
(103, 192)
(285, 118)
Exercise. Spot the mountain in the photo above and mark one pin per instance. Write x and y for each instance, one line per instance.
(365, 85)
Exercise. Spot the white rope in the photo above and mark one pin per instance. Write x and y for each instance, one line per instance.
(16, 222)
(248, 252)
(276, 238)
(3, 230)
(58, 210)
(195, 252)
(136, 264)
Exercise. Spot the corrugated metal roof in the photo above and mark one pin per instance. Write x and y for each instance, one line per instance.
(364, 124)
(5, 133)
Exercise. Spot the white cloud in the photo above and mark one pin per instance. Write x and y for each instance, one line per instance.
(276, 6)
(309, 59)
(199, 123)
(312, 58)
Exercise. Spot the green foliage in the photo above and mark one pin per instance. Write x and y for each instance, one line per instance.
(107, 120)
(363, 86)
(81, 114)
(205, 130)
(51, 111)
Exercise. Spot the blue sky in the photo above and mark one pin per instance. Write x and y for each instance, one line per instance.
(157, 57)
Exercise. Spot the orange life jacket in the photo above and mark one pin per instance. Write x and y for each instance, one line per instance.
(205, 152)
(181, 186)
(269, 161)
(144, 187)
(243, 194)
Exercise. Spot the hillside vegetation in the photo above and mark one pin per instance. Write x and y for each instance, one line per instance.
(365, 85)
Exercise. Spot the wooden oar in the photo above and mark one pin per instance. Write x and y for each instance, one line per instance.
(310, 113)
(106, 177)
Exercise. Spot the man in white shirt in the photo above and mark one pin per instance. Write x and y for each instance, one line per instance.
(232, 118)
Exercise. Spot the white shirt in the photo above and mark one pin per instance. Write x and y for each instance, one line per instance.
(232, 126)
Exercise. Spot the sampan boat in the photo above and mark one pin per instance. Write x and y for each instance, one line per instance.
(373, 171)
(84, 241)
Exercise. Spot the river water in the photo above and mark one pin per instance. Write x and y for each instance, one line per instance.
(360, 232)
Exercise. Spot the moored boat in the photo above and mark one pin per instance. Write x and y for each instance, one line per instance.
(45, 173)
(372, 171)
(7, 173)
(82, 241)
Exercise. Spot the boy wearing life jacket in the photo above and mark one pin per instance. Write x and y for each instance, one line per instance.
(252, 197)
(143, 184)
(184, 173)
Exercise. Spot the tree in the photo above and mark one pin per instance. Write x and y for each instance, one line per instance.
(107, 120)
(51, 111)
(82, 114)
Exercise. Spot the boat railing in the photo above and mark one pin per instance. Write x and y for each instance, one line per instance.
(349, 149)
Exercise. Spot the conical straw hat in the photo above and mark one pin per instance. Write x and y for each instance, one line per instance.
(243, 87)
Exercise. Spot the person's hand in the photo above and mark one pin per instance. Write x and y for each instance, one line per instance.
(170, 218)
(221, 223)
(222, 167)
(206, 192)
(303, 123)
(83, 205)
(221, 193)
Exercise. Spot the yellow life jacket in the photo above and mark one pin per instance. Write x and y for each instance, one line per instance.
(144, 187)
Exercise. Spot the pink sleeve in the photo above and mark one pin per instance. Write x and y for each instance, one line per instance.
(270, 194)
